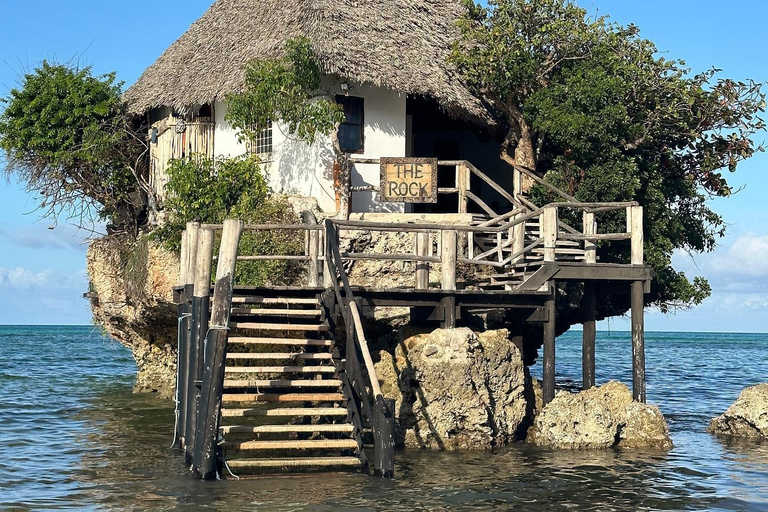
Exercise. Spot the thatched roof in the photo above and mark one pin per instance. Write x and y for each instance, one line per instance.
(398, 44)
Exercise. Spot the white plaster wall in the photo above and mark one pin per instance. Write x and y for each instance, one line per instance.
(303, 169)
(225, 141)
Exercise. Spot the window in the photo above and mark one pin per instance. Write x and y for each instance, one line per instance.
(351, 131)
(262, 143)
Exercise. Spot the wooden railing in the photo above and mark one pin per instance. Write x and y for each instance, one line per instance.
(371, 409)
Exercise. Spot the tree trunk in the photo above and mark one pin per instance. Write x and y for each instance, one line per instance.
(525, 154)
(342, 177)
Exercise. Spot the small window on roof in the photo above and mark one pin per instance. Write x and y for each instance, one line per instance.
(352, 130)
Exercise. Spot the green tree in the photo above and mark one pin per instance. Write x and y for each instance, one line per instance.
(289, 89)
(67, 136)
(591, 106)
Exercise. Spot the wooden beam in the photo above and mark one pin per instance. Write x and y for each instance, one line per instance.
(313, 251)
(449, 247)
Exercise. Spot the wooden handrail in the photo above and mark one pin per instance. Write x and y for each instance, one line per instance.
(546, 184)
(362, 342)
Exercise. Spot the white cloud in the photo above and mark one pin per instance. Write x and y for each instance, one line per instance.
(747, 256)
(42, 296)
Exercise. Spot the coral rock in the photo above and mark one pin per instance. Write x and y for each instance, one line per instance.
(747, 417)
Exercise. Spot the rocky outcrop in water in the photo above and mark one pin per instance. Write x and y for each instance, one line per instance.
(132, 298)
(601, 417)
(747, 417)
(455, 389)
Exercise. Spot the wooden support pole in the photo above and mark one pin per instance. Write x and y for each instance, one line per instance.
(517, 183)
(549, 348)
(206, 453)
(200, 314)
(448, 256)
(590, 247)
(449, 249)
(187, 279)
(589, 335)
(638, 342)
(183, 259)
(313, 251)
(423, 248)
(384, 436)
(549, 232)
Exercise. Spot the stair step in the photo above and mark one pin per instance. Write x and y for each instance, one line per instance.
(281, 383)
(273, 300)
(331, 428)
(246, 340)
(302, 313)
(279, 355)
(314, 444)
(278, 327)
(281, 397)
(293, 462)
(288, 411)
(280, 369)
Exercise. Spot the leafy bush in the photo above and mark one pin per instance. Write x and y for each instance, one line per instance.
(212, 190)
(67, 136)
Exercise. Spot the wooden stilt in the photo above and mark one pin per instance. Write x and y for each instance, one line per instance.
(588, 336)
(638, 343)
(205, 458)
(549, 348)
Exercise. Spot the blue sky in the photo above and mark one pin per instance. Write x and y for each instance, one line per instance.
(42, 271)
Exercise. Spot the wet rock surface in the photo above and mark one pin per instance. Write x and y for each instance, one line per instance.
(601, 417)
(455, 389)
(747, 417)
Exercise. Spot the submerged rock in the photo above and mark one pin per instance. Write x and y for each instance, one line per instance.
(601, 417)
(747, 417)
(455, 389)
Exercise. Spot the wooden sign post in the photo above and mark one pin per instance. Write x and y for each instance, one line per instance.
(409, 180)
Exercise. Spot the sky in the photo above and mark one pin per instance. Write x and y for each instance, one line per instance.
(42, 270)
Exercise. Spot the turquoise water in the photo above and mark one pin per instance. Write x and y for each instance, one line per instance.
(73, 437)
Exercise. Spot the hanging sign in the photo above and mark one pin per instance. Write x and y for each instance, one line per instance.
(408, 180)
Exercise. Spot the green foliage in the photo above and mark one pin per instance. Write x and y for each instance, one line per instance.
(613, 121)
(285, 89)
(66, 135)
(213, 190)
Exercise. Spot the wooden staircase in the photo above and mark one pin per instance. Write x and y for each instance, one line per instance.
(283, 406)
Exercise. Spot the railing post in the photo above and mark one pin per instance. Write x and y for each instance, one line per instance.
(423, 248)
(313, 251)
(189, 250)
(206, 454)
(517, 183)
(518, 242)
(329, 277)
(462, 183)
(200, 315)
(635, 229)
(449, 249)
(549, 232)
(548, 373)
(590, 246)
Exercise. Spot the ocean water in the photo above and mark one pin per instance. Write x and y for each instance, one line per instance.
(73, 437)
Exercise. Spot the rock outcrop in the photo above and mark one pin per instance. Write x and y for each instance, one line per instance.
(601, 417)
(455, 389)
(132, 298)
(747, 417)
